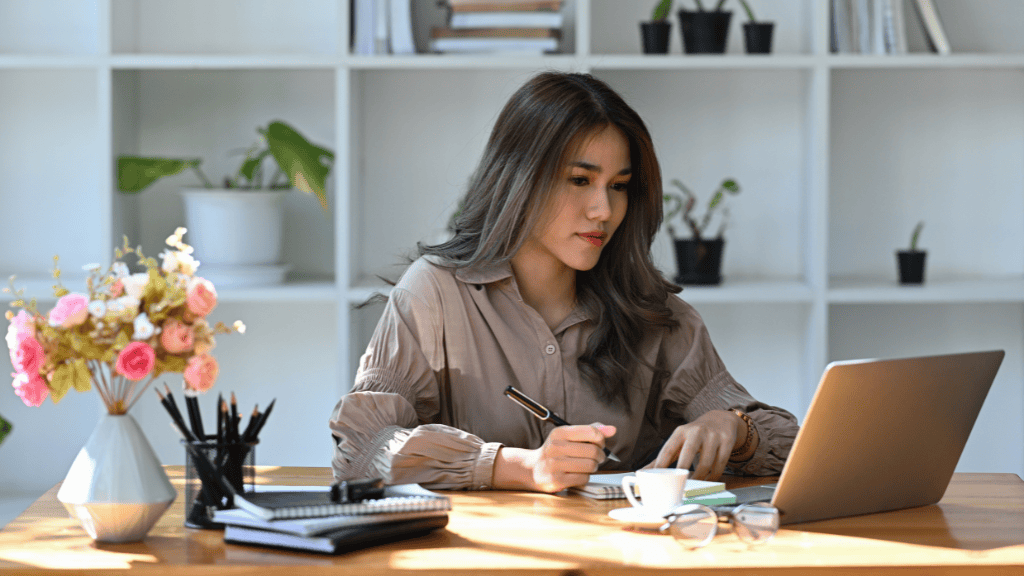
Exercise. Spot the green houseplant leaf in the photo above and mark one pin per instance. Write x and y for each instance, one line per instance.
(136, 173)
(304, 164)
(299, 159)
(661, 10)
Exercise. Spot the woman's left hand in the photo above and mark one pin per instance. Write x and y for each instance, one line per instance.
(713, 436)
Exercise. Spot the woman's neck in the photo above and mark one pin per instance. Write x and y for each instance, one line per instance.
(547, 287)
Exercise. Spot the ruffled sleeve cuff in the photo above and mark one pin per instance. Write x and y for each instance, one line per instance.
(438, 457)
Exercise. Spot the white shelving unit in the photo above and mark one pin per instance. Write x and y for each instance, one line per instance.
(838, 156)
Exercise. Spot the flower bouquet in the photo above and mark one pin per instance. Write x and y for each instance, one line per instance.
(126, 330)
(119, 336)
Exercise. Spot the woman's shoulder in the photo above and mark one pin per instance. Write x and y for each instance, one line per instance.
(427, 278)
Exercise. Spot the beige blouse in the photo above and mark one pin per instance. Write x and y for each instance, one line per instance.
(427, 404)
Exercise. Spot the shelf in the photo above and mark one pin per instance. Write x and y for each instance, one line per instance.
(226, 61)
(713, 62)
(862, 290)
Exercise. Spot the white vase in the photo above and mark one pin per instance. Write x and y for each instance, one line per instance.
(236, 234)
(116, 486)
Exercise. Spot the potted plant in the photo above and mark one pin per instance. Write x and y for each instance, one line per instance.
(757, 36)
(705, 31)
(699, 258)
(236, 229)
(911, 261)
(655, 34)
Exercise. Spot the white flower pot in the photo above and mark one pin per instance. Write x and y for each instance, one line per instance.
(116, 486)
(236, 234)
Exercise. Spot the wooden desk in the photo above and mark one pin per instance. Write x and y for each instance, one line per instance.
(977, 528)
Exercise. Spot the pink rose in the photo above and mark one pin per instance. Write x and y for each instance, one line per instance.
(29, 356)
(201, 372)
(31, 387)
(136, 360)
(22, 326)
(71, 310)
(117, 288)
(176, 336)
(201, 297)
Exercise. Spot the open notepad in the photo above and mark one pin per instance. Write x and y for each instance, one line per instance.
(609, 486)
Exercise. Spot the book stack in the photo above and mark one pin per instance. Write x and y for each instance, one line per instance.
(305, 518)
(878, 26)
(500, 27)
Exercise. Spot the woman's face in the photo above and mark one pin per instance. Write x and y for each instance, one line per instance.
(587, 205)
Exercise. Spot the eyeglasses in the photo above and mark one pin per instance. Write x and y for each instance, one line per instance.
(695, 525)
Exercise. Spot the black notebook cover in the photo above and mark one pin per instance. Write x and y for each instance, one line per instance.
(307, 504)
(338, 541)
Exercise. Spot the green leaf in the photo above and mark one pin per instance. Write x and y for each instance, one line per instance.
(136, 173)
(300, 160)
(661, 10)
(248, 169)
(731, 185)
(63, 379)
(82, 376)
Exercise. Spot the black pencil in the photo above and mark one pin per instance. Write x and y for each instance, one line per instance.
(247, 434)
(176, 418)
(234, 416)
(263, 420)
(197, 424)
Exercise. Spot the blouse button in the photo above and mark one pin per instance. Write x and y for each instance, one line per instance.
(550, 348)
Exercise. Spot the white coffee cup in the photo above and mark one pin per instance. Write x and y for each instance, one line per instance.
(661, 489)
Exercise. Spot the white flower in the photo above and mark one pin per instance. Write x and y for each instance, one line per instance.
(120, 269)
(97, 308)
(143, 327)
(135, 285)
(239, 326)
(178, 262)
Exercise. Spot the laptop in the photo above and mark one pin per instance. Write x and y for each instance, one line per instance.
(880, 435)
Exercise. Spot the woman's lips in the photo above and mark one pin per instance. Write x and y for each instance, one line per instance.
(595, 238)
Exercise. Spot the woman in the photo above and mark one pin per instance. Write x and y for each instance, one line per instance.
(548, 285)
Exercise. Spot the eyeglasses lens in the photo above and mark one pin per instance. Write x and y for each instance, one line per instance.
(693, 526)
(755, 523)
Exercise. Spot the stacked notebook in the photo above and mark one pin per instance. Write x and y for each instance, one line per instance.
(609, 486)
(305, 518)
(500, 26)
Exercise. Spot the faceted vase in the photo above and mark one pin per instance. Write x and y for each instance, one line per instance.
(116, 486)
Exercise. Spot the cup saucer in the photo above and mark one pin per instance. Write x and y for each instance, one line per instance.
(638, 517)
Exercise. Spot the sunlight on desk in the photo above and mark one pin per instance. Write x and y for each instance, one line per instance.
(977, 528)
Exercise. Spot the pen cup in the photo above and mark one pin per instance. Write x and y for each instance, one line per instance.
(235, 461)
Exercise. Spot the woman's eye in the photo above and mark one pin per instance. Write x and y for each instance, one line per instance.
(621, 186)
(579, 180)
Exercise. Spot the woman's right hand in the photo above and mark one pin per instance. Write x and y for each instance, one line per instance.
(569, 455)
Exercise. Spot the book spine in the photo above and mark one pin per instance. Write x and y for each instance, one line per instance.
(934, 32)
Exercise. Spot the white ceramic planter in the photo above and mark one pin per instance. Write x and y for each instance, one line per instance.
(236, 234)
(116, 486)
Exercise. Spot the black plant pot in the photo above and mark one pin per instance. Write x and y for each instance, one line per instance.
(655, 36)
(911, 266)
(704, 32)
(699, 262)
(757, 37)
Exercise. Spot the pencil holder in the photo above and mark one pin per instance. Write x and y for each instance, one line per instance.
(234, 461)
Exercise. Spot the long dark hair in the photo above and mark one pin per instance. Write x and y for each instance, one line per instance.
(545, 122)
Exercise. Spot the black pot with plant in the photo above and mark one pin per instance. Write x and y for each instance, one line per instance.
(911, 262)
(757, 36)
(655, 34)
(705, 31)
(698, 258)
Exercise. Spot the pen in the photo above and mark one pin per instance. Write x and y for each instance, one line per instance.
(544, 413)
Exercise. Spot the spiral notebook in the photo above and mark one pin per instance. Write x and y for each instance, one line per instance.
(609, 487)
(306, 503)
